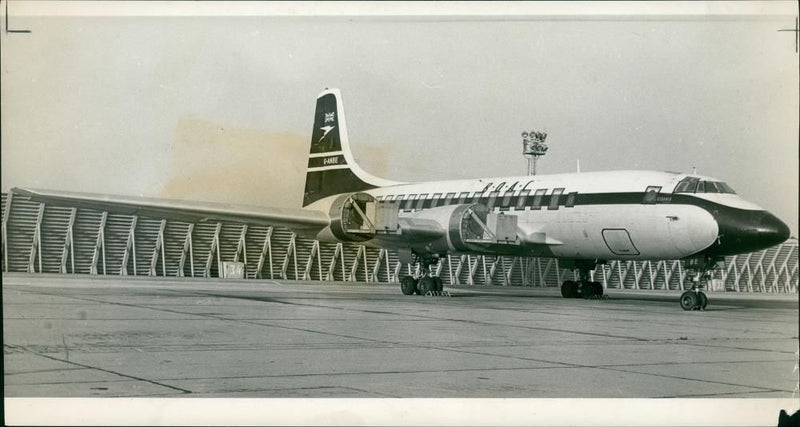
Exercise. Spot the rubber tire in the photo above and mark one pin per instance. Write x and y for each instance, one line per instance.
(425, 285)
(688, 300)
(569, 289)
(597, 287)
(702, 301)
(439, 284)
(565, 292)
(587, 290)
(408, 285)
(574, 289)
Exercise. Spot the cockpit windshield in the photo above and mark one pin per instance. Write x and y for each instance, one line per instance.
(697, 185)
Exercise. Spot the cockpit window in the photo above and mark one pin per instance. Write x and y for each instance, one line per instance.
(701, 187)
(687, 185)
(696, 185)
(725, 188)
(711, 187)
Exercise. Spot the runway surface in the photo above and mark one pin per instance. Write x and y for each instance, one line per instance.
(84, 336)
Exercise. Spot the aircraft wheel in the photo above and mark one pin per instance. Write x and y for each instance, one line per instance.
(587, 290)
(597, 287)
(565, 292)
(702, 301)
(439, 284)
(569, 289)
(425, 285)
(575, 286)
(408, 285)
(688, 300)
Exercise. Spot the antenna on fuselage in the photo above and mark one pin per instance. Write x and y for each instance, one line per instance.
(578, 165)
(694, 170)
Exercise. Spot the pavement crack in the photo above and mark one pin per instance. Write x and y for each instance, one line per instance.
(58, 359)
(687, 378)
(340, 374)
(41, 371)
(425, 317)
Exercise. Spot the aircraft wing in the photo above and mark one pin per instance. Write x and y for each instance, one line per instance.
(300, 220)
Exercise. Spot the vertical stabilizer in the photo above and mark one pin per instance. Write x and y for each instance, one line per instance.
(331, 167)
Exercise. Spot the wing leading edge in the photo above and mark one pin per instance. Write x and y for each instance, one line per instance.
(300, 220)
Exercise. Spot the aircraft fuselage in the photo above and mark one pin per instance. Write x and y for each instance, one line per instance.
(625, 215)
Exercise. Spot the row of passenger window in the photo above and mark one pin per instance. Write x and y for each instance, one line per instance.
(492, 199)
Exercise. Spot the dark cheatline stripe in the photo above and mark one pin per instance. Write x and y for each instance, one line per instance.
(543, 202)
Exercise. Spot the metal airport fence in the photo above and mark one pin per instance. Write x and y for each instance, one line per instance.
(40, 238)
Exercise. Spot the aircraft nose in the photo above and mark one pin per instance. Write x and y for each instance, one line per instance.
(771, 231)
(748, 231)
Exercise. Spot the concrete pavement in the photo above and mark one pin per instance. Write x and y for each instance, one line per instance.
(85, 336)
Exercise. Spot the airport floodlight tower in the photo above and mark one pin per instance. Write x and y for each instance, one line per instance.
(533, 147)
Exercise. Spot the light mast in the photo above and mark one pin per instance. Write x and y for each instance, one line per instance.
(533, 147)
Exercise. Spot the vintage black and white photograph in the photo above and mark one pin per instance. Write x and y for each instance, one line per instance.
(400, 213)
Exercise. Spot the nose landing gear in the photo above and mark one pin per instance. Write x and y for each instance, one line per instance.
(699, 271)
(694, 299)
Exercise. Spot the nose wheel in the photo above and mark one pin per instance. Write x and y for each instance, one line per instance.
(694, 300)
(699, 270)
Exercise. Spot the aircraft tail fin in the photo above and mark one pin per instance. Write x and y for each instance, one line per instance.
(331, 166)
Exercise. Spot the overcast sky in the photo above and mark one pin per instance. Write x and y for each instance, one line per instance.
(221, 108)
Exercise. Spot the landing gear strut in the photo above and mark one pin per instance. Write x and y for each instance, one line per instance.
(425, 282)
(699, 272)
(584, 287)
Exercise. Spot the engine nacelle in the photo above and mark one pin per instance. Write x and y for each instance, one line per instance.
(358, 217)
(352, 217)
(457, 228)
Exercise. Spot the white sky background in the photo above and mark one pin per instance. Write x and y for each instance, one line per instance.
(220, 108)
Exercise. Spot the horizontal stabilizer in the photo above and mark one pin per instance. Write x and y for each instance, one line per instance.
(301, 220)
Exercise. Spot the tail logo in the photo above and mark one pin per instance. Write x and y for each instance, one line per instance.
(326, 135)
(326, 130)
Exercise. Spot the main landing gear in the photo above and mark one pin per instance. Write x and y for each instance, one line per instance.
(699, 271)
(425, 283)
(583, 287)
